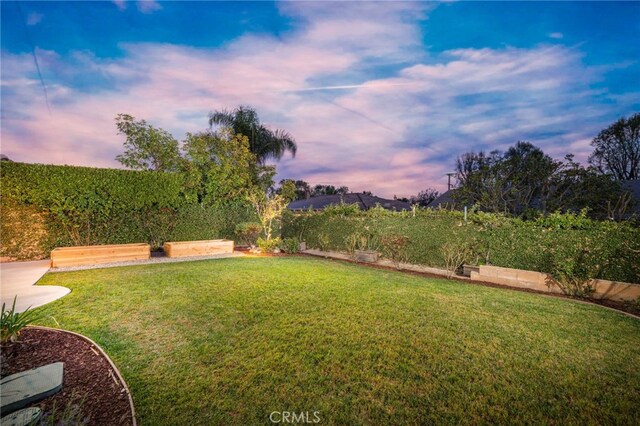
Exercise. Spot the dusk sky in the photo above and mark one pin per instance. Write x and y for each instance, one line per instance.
(379, 96)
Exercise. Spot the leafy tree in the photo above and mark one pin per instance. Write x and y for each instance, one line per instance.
(617, 149)
(424, 198)
(219, 165)
(287, 190)
(482, 181)
(303, 190)
(264, 143)
(329, 190)
(572, 187)
(146, 147)
(264, 178)
(528, 169)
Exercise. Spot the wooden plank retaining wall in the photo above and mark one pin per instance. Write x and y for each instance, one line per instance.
(604, 289)
(197, 248)
(89, 255)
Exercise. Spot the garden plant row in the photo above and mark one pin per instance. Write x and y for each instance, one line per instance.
(568, 246)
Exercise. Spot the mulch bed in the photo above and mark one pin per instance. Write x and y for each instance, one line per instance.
(89, 384)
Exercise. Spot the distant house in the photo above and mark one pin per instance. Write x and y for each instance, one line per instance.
(364, 201)
(444, 201)
(632, 187)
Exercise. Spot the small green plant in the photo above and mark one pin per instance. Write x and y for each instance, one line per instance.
(394, 246)
(351, 243)
(12, 322)
(70, 415)
(367, 242)
(290, 245)
(269, 246)
(247, 232)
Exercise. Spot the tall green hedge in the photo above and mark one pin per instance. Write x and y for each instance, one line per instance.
(610, 250)
(46, 206)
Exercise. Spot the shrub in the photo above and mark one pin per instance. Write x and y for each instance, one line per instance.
(573, 269)
(248, 232)
(394, 246)
(269, 246)
(455, 255)
(12, 322)
(290, 245)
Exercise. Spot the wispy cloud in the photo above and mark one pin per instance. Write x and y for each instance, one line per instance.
(148, 6)
(350, 86)
(34, 18)
(121, 4)
(392, 134)
(143, 6)
(556, 35)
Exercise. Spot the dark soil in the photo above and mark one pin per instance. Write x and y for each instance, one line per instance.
(91, 392)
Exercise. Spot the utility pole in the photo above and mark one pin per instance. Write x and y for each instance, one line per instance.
(449, 180)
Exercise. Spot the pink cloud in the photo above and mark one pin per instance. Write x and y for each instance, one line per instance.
(148, 6)
(34, 18)
(395, 135)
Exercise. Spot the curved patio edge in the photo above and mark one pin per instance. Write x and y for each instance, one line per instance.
(18, 281)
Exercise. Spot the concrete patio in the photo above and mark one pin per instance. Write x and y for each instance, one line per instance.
(18, 279)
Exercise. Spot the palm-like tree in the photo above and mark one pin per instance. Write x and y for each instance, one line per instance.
(263, 142)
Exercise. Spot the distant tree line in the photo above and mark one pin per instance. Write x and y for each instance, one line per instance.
(524, 181)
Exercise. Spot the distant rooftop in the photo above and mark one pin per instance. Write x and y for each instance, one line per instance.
(444, 201)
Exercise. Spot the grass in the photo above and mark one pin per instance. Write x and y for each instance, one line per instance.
(230, 341)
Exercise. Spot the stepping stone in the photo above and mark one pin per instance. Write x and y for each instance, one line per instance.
(27, 387)
(24, 417)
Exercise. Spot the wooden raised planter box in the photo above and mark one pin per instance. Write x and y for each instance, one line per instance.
(197, 248)
(90, 255)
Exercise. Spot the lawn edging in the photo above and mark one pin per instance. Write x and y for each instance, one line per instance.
(104, 354)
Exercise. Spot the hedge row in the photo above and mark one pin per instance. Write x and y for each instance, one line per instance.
(608, 250)
(45, 206)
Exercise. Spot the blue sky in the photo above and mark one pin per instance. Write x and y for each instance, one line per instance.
(380, 96)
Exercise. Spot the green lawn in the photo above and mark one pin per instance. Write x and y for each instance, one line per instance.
(230, 341)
